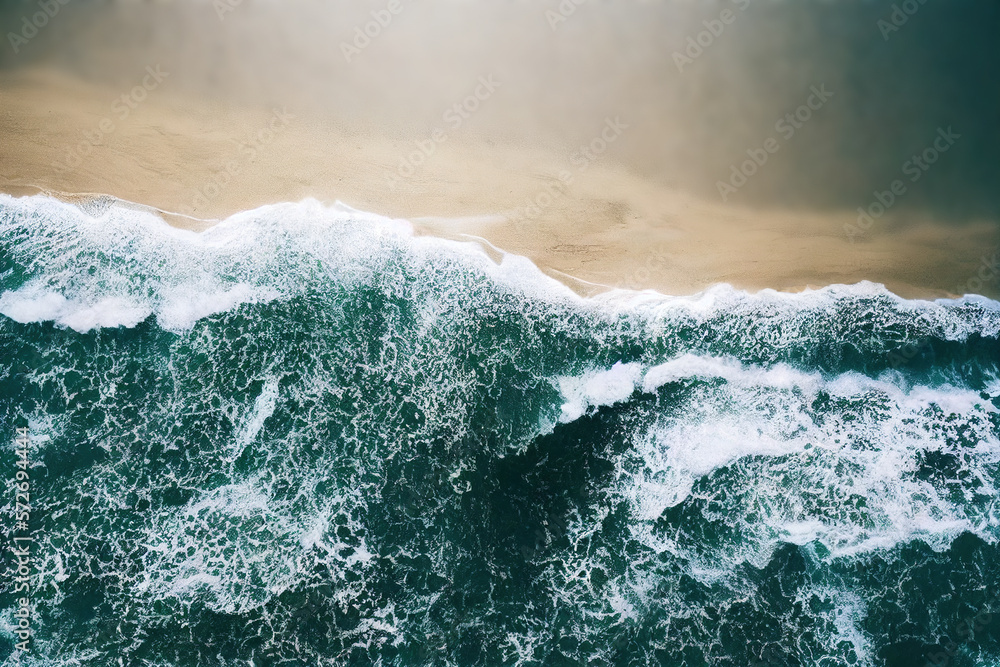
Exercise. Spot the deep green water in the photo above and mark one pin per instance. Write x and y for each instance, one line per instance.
(307, 438)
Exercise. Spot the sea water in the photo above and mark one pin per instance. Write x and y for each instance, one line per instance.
(307, 436)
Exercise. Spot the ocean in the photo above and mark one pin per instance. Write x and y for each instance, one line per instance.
(307, 436)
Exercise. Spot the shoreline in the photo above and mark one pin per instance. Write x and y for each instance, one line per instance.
(580, 286)
(593, 227)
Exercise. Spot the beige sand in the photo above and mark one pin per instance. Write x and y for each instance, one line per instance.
(598, 228)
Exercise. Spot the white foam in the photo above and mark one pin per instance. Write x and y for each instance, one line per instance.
(865, 447)
(846, 617)
(118, 267)
(183, 308)
(262, 409)
(38, 307)
(952, 319)
(761, 467)
(597, 388)
(33, 305)
(181, 276)
(686, 366)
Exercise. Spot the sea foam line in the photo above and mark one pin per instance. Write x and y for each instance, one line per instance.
(183, 275)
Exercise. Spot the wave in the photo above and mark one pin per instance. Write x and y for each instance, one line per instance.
(307, 434)
(117, 264)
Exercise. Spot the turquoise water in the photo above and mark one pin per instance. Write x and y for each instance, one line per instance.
(307, 437)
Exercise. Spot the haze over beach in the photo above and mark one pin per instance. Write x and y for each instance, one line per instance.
(652, 333)
(607, 137)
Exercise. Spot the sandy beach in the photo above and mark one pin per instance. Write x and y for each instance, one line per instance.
(590, 147)
(595, 227)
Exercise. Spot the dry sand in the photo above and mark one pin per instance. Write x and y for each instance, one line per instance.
(601, 227)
